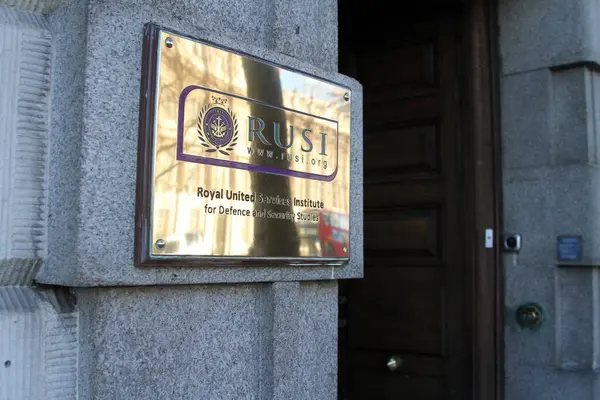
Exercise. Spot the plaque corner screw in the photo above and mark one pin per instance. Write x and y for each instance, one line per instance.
(160, 244)
(346, 96)
(345, 249)
(169, 42)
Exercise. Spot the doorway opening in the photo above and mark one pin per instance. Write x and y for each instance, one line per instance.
(425, 322)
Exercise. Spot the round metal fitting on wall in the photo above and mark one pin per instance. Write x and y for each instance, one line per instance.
(530, 316)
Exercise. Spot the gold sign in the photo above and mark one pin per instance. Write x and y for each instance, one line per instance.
(240, 160)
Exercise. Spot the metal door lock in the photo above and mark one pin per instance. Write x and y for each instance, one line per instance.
(530, 316)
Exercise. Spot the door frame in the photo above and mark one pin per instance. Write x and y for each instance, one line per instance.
(481, 117)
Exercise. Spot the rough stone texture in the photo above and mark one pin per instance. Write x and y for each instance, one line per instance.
(537, 34)
(38, 338)
(311, 39)
(551, 181)
(25, 58)
(524, 133)
(305, 327)
(66, 130)
(38, 6)
(38, 334)
(258, 341)
(527, 382)
(240, 340)
(545, 202)
(169, 343)
(578, 319)
(95, 128)
(572, 140)
(21, 344)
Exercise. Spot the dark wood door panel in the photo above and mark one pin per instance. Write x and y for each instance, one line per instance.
(384, 78)
(382, 193)
(410, 364)
(418, 377)
(376, 383)
(396, 152)
(378, 387)
(416, 73)
(410, 303)
(405, 233)
(404, 309)
(378, 115)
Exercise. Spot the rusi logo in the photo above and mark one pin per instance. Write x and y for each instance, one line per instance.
(256, 129)
(269, 139)
(217, 127)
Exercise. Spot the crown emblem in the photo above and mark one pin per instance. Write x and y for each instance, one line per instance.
(217, 127)
(219, 100)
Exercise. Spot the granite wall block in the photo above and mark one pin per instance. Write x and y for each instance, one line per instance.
(246, 341)
(537, 34)
(94, 137)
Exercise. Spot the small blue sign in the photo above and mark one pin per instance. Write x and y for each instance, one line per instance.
(569, 248)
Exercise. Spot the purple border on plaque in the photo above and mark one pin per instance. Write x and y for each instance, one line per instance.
(181, 156)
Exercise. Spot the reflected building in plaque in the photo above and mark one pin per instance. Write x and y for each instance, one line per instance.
(250, 160)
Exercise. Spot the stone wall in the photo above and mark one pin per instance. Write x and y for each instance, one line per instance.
(38, 327)
(210, 333)
(551, 182)
(93, 153)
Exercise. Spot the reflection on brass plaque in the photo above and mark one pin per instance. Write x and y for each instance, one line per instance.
(241, 161)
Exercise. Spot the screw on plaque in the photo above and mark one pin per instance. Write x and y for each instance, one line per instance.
(346, 96)
(345, 250)
(169, 42)
(160, 244)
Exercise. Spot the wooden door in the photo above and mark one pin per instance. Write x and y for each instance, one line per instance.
(410, 306)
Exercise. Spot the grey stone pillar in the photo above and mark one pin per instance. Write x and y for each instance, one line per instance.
(550, 109)
(195, 333)
(38, 326)
(246, 341)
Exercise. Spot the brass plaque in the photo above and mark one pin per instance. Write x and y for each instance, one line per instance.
(241, 160)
